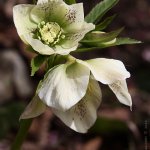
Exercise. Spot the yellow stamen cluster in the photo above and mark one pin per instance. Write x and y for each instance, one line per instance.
(49, 33)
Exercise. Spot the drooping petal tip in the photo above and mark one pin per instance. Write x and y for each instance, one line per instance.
(121, 91)
(83, 115)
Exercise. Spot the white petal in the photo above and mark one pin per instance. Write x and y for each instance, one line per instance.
(83, 115)
(51, 11)
(63, 50)
(23, 23)
(74, 17)
(107, 71)
(35, 108)
(72, 39)
(69, 17)
(64, 85)
(121, 91)
(38, 46)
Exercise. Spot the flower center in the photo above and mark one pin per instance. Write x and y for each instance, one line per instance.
(49, 33)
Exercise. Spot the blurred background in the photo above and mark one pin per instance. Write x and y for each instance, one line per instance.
(117, 128)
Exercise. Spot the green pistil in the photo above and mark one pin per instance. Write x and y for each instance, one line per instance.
(49, 33)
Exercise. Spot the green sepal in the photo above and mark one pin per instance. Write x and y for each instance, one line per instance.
(100, 10)
(36, 62)
(104, 24)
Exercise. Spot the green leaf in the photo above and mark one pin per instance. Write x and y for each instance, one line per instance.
(36, 62)
(100, 10)
(69, 2)
(95, 38)
(86, 49)
(123, 41)
(103, 25)
(119, 41)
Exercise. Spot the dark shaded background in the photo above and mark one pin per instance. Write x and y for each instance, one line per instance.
(117, 128)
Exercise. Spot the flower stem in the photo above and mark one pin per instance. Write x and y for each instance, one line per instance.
(22, 133)
(70, 1)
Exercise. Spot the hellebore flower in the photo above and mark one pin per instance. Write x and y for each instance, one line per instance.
(51, 26)
(73, 93)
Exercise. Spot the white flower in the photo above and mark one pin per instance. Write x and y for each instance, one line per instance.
(51, 26)
(74, 94)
